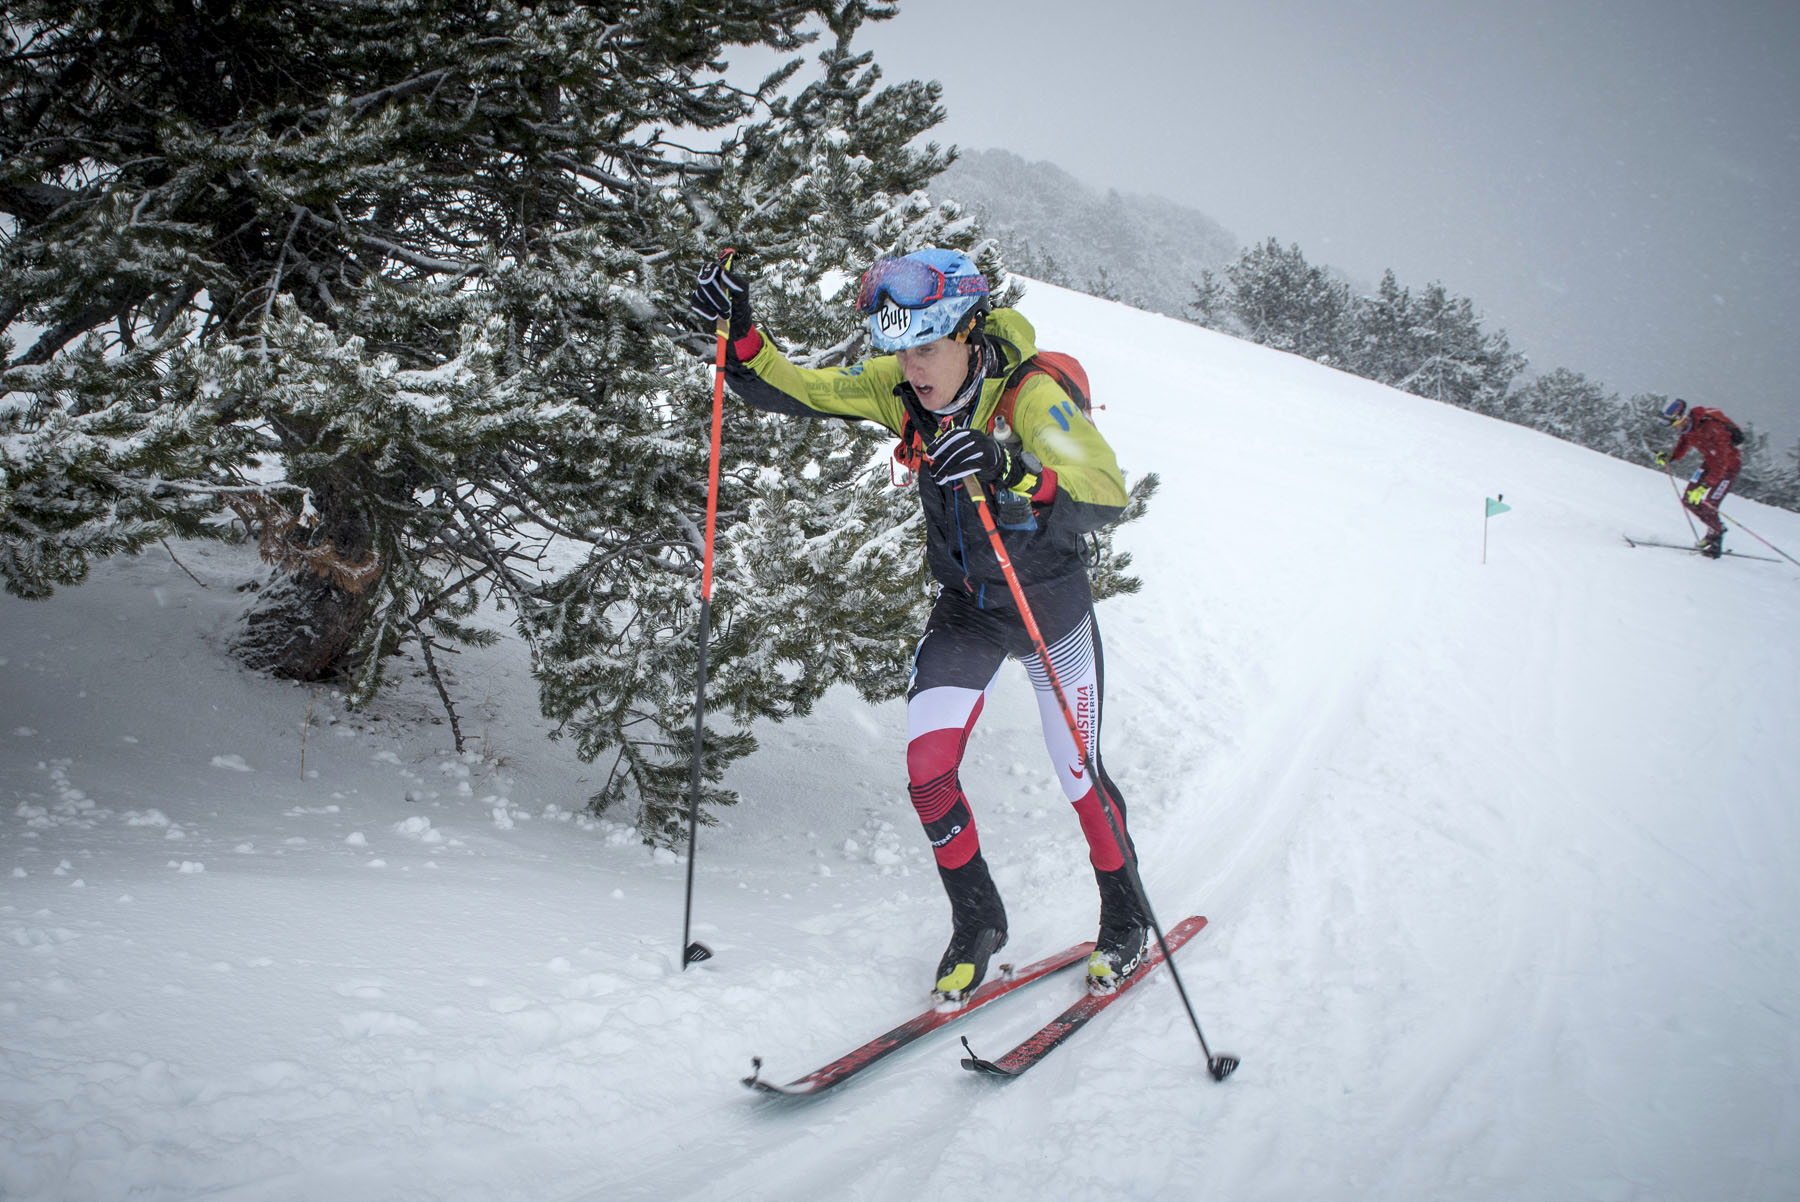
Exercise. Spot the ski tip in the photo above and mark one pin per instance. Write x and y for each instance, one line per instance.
(1222, 1067)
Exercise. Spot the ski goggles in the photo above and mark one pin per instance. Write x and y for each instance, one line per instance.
(911, 284)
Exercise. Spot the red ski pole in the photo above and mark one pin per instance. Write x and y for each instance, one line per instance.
(1219, 1066)
(1759, 538)
(693, 953)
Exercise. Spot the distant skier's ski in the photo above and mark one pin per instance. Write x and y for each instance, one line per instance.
(1650, 542)
(851, 1063)
(1054, 1032)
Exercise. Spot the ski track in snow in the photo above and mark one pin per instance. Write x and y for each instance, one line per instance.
(1497, 859)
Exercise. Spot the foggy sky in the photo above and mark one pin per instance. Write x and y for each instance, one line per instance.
(1616, 185)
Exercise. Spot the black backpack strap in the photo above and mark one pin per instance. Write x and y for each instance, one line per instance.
(1005, 346)
(1018, 375)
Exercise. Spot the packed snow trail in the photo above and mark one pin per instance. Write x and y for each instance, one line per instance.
(1496, 857)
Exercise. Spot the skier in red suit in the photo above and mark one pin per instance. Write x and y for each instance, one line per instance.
(1716, 437)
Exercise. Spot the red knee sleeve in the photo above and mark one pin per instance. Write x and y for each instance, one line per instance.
(937, 796)
(932, 755)
(1103, 849)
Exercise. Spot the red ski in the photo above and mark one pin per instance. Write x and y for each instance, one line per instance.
(1058, 1029)
(851, 1063)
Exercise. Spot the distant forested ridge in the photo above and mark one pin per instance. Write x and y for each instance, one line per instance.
(1166, 258)
(1142, 250)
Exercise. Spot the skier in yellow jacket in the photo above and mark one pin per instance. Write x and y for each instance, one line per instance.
(1053, 479)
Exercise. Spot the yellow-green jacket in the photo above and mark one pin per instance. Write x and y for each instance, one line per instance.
(1080, 490)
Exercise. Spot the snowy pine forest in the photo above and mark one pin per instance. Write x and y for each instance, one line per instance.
(1423, 339)
(1143, 251)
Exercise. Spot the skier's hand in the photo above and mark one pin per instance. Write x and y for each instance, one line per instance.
(970, 452)
(721, 294)
(1696, 494)
(1662, 460)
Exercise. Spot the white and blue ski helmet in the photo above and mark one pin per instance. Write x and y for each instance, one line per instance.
(922, 297)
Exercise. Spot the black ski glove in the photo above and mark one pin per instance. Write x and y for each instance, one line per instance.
(971, 452)
(720, 292)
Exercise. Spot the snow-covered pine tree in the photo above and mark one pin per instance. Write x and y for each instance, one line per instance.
(1785, 491)
(820, 568)
(1646, 430)
(1102, 286)
(1210, 305)
(411, 274)
(1571, 407)
(1387, 347)
(1439, 350)
(1787, 494)
(1039, 264)
(819, 577)
(1761, 474)
(1276, 298)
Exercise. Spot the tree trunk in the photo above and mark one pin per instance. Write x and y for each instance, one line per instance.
(303, 628)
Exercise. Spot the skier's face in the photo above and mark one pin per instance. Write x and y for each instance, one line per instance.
(936, 371)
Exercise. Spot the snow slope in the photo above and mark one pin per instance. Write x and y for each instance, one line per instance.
(1498, 861)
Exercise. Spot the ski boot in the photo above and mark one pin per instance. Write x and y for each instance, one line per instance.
(1713, 545)
(978, 930)
(1124, 933)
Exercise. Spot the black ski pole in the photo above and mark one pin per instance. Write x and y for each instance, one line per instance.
(694, 952)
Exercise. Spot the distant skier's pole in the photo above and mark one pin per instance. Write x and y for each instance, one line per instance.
(1669, 470)
(1219, 1066)
(1759, 538)
(693, 953)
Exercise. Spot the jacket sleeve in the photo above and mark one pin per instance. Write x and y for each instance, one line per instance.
(1090, 488)
(864, 391)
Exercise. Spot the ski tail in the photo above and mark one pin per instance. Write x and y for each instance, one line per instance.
(1054, 1033)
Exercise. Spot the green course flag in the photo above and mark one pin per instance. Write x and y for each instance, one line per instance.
(1496, 505)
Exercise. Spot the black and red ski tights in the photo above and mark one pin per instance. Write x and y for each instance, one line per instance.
(955, 666)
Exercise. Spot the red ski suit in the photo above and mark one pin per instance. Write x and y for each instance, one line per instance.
(1709, 432)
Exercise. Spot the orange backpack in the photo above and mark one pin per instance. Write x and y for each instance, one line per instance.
(1065, 369)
